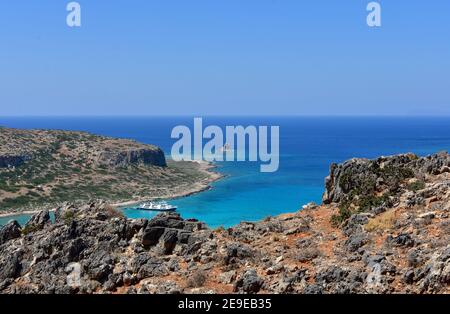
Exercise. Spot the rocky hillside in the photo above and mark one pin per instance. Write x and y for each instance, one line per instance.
(43, 168)
(384, 227)
(18, 146)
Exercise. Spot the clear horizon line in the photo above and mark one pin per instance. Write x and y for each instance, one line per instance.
(233, 115)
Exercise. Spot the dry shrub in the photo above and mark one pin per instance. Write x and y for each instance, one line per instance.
(197, 280)
(308, 254)
(383, 221)
(112, 212)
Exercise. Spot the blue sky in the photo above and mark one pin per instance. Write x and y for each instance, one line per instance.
(225, 57)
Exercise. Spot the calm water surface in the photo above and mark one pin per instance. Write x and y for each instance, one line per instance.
(307, 147)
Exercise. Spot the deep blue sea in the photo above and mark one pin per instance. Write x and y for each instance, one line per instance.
(307, 147)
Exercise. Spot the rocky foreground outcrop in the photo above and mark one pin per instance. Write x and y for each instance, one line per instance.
(360, 174)
(385, 228)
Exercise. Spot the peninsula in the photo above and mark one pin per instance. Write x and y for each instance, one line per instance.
(41, 169)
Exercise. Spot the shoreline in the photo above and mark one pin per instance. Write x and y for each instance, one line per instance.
(205, 185)
(205, 167)
(322, 249)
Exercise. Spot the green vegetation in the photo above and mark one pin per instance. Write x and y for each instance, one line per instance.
(344, 213)
(361, 191)
(29, 229)
(68, 217)
(64, 167)
(9, 188)
(416, 186)
(361, 204)
(17, 202)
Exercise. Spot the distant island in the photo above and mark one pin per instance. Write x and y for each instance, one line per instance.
(383, 227)
(41, 169)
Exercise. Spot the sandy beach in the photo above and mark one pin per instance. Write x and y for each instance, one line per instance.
(205, 167)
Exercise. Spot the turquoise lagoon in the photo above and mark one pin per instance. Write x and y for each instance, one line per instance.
(308, 145)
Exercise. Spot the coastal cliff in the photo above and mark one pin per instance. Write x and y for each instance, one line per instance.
(384, 227)
(124, 158)
(8, 160)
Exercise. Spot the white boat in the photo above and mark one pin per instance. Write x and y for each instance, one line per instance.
(226, 148)
(157, 206)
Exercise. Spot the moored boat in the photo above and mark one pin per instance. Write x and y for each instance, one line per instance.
(157, 206)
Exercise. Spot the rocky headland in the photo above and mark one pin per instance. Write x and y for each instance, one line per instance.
(383, 227)
(41, 169)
